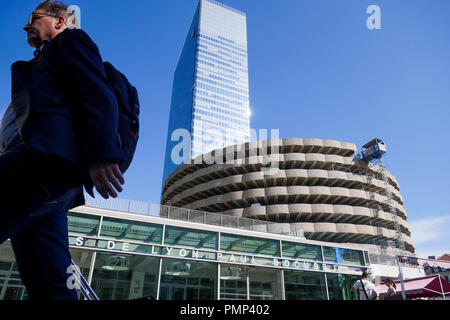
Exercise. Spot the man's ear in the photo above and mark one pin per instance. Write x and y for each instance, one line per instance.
(61, 22)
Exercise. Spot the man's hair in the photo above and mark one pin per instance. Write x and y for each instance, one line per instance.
(364, 274)
(53, 7)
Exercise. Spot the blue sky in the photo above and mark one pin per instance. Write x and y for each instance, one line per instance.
(316, 71)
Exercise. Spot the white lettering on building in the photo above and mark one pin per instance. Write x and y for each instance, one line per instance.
(79, 241)
(243, 259)
(183, 253)
(111, 245)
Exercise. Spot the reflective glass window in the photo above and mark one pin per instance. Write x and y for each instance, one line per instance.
(301, 251)
(339, 286)
(304, 285)
(131, 230)
(233, 282)
(83, 224)
(237, 243)
(264, 284)
(343, 256)
(188, 280)
(125, 277)
(190, 238)
(82, 259)
(11, 286)
(366, 256)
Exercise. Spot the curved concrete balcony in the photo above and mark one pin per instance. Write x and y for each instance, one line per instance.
(274, 195)
(319, 212)
(349, 233)
(313, 152)
(283, 177)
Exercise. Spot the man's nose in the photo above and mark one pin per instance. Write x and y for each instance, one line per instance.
(27, 27)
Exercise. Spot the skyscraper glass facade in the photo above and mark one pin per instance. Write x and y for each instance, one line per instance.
(210, 97)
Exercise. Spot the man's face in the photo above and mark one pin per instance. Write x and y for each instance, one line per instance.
(42, 29)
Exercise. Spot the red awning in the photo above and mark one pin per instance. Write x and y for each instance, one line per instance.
(421, 287)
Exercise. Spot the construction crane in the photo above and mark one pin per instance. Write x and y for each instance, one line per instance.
(373, 152)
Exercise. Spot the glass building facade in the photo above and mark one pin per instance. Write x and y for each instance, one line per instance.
(130, 256)
(210, 106)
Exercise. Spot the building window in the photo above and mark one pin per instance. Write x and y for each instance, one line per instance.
(264, 284)
(233, 282)
(83, 224)
(304, 285)
(243, 244)
(343, 256)
(188, 280)
(190, 238)
(301, 251)
(243, 283)
(82, 259)
(125, 277)
(11, 287)
(339, 286)
(131, 230)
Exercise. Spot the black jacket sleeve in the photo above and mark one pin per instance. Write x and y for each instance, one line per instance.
(83, 74)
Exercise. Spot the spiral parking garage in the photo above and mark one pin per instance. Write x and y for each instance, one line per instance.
(318, 185)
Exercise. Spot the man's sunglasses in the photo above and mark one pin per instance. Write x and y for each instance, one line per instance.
(37, 15)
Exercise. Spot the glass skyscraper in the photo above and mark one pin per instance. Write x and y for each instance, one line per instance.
(210, 96)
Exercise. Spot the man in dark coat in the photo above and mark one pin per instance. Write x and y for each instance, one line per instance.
(58, 134)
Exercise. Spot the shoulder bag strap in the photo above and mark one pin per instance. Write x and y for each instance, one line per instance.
(364, 289)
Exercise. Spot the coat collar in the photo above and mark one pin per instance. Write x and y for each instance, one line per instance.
(38, 51)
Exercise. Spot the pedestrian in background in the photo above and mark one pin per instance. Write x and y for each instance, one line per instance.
(392, 289)
(367, 290)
